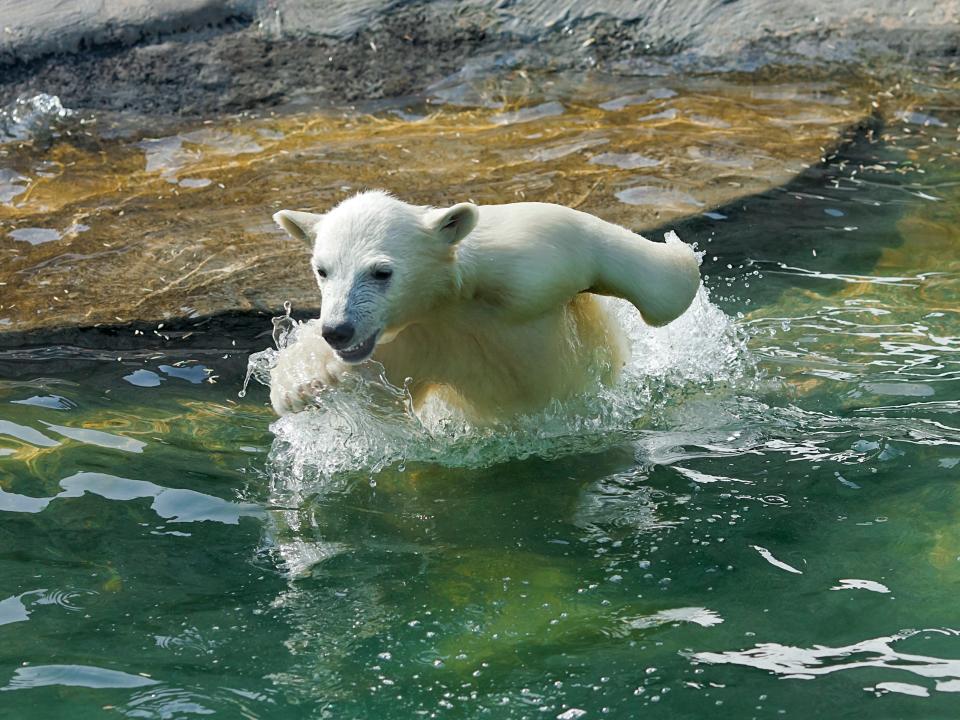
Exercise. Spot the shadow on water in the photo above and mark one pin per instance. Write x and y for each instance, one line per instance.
(825, 220)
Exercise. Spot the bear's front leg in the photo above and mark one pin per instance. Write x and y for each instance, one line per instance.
(303, 369)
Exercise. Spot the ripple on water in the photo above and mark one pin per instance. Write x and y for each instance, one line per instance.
(192, 373)
(703, 617)
(12, 610)
(919, 118)
(882, 653)
(51, 402)
(626, 161)
(13, 502)
(668, 114)
(902, 389)
(174, 504)
(12, 184)
(15, 609)
(169, 156)
(195, 182)
(98, 437)
(658, 196)
(555, 152)
(143, 378)
(26, 434)
(856, 584)
(723, 157)
(627, 100)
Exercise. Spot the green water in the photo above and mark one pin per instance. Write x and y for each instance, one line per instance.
(769, 526)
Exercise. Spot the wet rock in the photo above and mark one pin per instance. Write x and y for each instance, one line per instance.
(34, 28)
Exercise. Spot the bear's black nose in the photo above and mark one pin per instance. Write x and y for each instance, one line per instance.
(338, 336)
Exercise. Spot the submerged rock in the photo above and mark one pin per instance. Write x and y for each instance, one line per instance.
(111, 226)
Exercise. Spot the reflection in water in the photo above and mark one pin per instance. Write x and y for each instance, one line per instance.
(35, 235)
(658, 197)
(98, 437)
(626, 100)
(177, 505)
(26, 434)
(14, 609)
(74, 676)
(854, 584)
(807, 663)
(529, 114)
(12, 184)
(54, 402)
(768, 556)
(627, 161)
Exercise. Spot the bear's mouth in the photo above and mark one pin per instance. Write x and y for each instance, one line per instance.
(359, 352)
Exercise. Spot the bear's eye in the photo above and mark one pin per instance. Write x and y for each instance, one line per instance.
(321, 272)
(381, 274)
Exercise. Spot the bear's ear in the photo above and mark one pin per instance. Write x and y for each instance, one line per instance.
(299, 224)
(453, 224)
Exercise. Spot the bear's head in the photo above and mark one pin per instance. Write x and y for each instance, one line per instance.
(381, 265)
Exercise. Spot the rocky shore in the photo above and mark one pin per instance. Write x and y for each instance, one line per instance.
(197, 57)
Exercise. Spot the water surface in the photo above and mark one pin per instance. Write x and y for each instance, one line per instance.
(759, 521)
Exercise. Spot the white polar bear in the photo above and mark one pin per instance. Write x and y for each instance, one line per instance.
(493, 307)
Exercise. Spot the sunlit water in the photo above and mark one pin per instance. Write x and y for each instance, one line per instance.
(760, 519)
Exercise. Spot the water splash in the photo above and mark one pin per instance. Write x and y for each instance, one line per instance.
(283, 325)
(367, 424)
(261, 362)
(31, 116)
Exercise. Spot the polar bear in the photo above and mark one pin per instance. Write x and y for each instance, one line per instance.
(492, 307)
